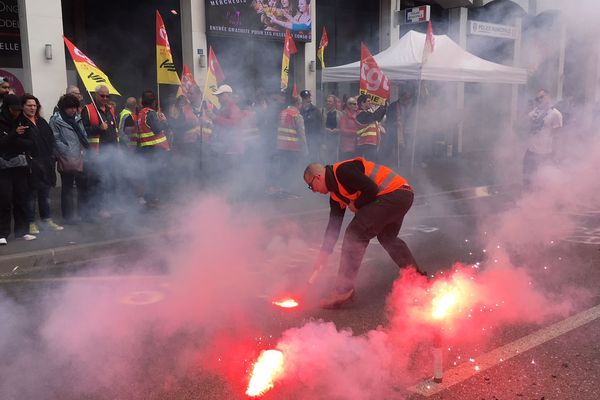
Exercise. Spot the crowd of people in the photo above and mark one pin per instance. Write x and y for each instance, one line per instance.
(108, 159)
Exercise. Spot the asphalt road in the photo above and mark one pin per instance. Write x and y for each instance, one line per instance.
(68, 331)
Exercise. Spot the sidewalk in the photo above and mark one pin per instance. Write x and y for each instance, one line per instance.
(124, 233)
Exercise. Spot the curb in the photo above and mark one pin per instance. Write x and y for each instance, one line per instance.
(21, 263)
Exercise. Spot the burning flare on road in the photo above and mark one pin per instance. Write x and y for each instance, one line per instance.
(451, 296)
(265, 372)
(286, 303)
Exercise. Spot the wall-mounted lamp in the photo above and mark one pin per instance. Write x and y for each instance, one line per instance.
(48, 51)
(201, 58)
(312, 66)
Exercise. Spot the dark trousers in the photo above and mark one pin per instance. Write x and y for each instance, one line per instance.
(532, 162)
(314, 142)
(368, 151)
(72, 181)
(289, 169)
(14, 192)
(382, 219)
(154, 161)
(41, 198)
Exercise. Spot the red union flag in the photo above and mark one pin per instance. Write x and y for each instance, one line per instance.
(289, 48)
(372, 80)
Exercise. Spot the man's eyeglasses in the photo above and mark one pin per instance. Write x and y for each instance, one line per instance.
(352, 104)
(540, 97)
(310, 185)
(104, 96)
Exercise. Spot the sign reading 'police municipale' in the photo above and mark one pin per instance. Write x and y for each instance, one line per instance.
(493, 30)
(417, 14)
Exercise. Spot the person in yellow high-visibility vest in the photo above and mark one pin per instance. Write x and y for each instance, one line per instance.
(369, 133)
(379, 198)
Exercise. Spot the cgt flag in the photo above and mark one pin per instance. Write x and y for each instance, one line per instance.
(289, 48)
(321, 51)
(165, 68)
(188, 83)
(90, 74)
(429, 43)
(214, 76)
(372, 80)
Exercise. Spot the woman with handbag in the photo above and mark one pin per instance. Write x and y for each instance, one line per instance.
(14, 170)
(70, 142)
(42, 175)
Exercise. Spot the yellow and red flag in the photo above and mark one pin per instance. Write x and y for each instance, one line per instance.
(372, 80)
(188, 83)
(289, 48)
(214, 76)
(90, 74)
(429, 43)
(165, 68)
(321, 51)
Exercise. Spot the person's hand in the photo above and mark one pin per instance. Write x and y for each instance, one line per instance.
(161, 116)
(104, 126)
(21, 129)
(352, 207)
(320, 262)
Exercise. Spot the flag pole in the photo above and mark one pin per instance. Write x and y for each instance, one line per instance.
(416, 127)
(95, 106)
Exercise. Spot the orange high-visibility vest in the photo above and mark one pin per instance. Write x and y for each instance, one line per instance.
(287, 135)
(368, 134)
(386, 180)
(94, 140)
(146, 137)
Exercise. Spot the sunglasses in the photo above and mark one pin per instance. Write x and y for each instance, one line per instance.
(104, 96)
(310, 185)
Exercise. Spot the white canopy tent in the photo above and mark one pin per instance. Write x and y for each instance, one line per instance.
(448, 62)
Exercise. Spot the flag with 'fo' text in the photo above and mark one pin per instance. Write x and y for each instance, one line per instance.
(90, 74)
(165, 68)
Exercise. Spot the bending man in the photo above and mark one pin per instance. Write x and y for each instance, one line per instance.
(379, 198)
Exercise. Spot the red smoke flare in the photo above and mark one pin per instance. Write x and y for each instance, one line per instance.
(287, 302)
(267, 369)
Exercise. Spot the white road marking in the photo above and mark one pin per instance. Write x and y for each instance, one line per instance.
(82, 278)
(466, 370)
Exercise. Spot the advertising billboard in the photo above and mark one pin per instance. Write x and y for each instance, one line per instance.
(267, 19)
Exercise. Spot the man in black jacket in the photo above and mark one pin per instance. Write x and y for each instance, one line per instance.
(380, 199)
(313, 126)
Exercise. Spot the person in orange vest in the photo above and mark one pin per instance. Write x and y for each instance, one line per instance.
(100, 123)
(291, 144)
(379, 198)
(152, 146)
(369, 132)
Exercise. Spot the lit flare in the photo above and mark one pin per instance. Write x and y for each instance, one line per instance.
(451, 296)
(286, 303)
(265, 372)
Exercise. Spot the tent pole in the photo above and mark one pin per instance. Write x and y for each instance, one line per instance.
(415, 129)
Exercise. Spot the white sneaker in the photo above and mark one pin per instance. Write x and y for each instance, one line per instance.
(3, 241)
(28, 237)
